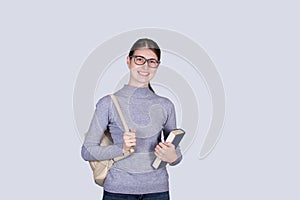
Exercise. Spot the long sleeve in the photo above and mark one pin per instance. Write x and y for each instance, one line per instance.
(169, 126)
(91, 149)
(147, 113)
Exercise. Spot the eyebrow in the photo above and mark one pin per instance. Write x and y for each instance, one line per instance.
(145, 57)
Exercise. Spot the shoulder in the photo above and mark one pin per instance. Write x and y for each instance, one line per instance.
(104, 102)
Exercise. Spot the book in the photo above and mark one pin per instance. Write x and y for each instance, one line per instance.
(174, 137)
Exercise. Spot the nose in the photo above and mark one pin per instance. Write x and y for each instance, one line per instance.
(145, 66)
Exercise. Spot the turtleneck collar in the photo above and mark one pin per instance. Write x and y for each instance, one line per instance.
(140, 92)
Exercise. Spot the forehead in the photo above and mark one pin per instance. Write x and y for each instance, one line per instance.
(147, 53)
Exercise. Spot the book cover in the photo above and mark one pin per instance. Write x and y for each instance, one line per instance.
(174, 137)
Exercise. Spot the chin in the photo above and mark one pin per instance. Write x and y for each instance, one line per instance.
(143, 79)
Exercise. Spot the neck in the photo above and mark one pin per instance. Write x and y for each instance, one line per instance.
(140, 92)
(141, 85)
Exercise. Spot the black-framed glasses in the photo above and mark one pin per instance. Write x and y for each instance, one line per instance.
(141, 60)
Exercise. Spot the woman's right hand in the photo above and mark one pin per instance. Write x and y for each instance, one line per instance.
(129, 140)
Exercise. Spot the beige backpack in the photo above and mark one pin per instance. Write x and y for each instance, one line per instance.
(101, 168)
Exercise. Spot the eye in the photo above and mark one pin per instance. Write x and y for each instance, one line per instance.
(152, 61)
(139, 59)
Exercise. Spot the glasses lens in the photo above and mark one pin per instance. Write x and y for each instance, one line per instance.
(152, 63)
(139, 60)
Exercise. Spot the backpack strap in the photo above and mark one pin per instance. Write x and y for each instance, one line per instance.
(117, 105)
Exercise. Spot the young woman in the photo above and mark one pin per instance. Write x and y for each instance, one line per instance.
(147, 115)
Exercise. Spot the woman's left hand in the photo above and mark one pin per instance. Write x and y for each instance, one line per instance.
(166, 152)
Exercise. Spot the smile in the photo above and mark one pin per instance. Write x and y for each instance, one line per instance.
(143, 73)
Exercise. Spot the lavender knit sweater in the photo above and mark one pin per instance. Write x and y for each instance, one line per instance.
(149, 114)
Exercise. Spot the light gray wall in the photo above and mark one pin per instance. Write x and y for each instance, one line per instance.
(254, 45)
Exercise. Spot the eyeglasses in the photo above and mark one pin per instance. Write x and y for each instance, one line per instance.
(140, 60)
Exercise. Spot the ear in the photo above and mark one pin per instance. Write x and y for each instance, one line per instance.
(128, 61)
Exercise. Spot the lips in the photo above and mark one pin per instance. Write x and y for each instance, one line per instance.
(143, 73)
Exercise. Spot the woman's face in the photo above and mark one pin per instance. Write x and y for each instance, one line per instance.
(140, 75)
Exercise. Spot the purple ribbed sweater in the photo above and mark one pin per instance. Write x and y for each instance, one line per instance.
(149, 114)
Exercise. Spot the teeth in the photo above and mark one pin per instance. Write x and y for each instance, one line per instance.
(144, 73)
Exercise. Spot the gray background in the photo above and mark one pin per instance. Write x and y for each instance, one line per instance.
(254, 44)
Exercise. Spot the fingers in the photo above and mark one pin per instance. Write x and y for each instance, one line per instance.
(130, 142)
(159, 156)
(131, 133)
(160, 148)
(162, 145)
(166, 152)
(129, 139)
(166, 145)
(161, 151)
(169, 144)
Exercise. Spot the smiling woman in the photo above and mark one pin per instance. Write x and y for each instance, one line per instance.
(146, 56)
(139, 64)
(147, 115)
